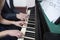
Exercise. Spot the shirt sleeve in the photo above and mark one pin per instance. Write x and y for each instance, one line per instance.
(10, 16)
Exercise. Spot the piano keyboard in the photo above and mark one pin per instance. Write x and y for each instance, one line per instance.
(29, 31)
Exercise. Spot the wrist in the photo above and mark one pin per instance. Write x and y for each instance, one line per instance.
(7, 22)
(3, 33)
(17, 15)
(11, 22)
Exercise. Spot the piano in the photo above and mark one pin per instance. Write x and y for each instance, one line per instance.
(49, 30)
(33, 27)
(29, 28)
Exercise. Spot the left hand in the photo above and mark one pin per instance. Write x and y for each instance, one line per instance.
(19, 23)
(21, 16)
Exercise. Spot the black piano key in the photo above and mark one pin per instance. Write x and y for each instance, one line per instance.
(28, 34)
(32, 16)
(27, 39)
(30, 29)
(31, 21)
(31, 25)
(32, 13)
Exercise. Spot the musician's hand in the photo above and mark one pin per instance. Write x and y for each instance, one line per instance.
(15, 33)
(21, 16)
(19, 23)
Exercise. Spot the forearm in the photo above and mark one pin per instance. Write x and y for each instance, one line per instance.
(3, 33)
(7, 22)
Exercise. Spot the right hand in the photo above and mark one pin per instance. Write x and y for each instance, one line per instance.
(19, 23)
(22, 16)
(15, 33)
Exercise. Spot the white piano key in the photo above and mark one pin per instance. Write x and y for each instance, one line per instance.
(30, 31)
(29, 38)
(31, 23)
(31, 27)
(23, 30)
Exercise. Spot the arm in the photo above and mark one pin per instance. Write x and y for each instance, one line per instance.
(4, 21)
(3, 33)
(15, 33)
(7, 22)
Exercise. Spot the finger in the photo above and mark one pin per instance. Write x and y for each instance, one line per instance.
(27, 16)
(21, 24)
(17, 36)
(23, 19)
(20, 34)
(18, 25)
